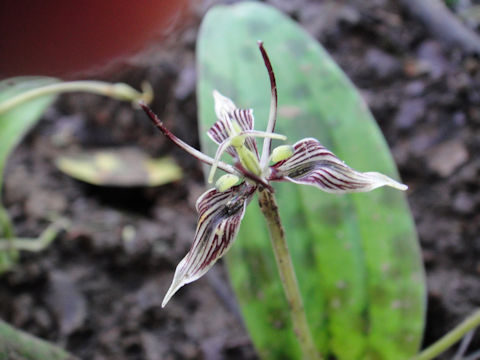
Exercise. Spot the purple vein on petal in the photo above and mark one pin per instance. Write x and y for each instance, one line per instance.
(313, 164)
(227, 112)
(219, 217)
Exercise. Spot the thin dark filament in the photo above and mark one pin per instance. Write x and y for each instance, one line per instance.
(192, 151)
(272, 119)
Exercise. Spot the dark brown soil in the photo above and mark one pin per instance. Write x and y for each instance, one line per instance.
(98, 293)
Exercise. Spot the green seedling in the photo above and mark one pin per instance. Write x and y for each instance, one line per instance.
(107, 168)
(23, 100)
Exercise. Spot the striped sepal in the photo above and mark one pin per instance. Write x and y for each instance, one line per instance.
(219, 217)
(312, 164)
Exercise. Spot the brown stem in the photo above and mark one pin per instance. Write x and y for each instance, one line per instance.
(269, 207)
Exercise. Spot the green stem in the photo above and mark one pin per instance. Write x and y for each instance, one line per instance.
(34, 245)
(9, 256)
(16, 344)
(269, 207)
(5, 223)
(118, 91)
(454, 335)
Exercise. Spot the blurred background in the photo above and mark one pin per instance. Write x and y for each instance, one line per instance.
(98, 289)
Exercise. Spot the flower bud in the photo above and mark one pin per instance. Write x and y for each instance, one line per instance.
(282, 152)
(226, 182)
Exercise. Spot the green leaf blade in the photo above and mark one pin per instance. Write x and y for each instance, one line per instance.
(17, 121)
(356, 257)
(13, 126)
(119, 167)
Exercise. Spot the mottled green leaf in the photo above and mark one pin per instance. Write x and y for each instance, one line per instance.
(123, 167)
(356, 257)
(13, 126)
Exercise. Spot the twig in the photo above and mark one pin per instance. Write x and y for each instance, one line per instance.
(473, 356)
(462, 349)
(444, 25)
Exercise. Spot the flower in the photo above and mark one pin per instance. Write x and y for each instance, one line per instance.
(221, 209)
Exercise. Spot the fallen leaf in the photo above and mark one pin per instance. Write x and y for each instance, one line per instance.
(123, 167)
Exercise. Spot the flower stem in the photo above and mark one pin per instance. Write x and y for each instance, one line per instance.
(118, 91)
(454, 335)
(269, 207)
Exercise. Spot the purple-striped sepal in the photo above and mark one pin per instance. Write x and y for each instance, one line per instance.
(219, 217)
(313, 164)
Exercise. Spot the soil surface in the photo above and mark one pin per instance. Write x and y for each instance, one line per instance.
(97, 290)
